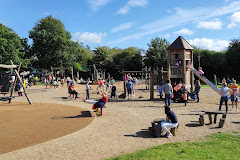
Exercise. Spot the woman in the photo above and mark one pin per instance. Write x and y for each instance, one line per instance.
(224, 96)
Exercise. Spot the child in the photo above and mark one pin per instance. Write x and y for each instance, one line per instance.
(100, 103)
(87, 90)
(160, 90)
(200, 71)
(185, 97)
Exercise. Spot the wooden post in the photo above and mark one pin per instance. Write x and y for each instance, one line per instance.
(174, 131)
(221, 123)
(151, 86)
(210, 117)
(72, 73)
(201, 120)
(18, 76)
(14, 83)
(215, 118)
(124, 85)
(169, 72)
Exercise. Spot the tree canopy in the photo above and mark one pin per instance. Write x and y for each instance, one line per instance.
(156, 56)
(52, 45)
(10, 46)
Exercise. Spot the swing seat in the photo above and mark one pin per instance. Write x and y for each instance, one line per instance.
(5, 98)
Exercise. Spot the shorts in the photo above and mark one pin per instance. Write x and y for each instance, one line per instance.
(234, 98)
(129, 91)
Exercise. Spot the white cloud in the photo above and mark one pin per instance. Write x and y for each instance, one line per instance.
(88, 37)
(184, 31)
(235, 20)
(211, 44)
(214, 24)
(132, 3)
(166, 35)
(180, 17)
(123, 26)
(95, 4)
(46, 13)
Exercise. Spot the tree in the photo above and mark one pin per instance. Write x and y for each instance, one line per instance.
(52, 45)
(232, 58)
(103, 58)
(129, 59)
(10, 46)
(156, 56)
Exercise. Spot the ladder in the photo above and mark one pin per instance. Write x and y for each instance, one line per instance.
(204, 79)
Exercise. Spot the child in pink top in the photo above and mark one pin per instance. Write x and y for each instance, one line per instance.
(200, 71)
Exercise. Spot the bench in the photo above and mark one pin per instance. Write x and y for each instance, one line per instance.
(222, 120)
(159, 121)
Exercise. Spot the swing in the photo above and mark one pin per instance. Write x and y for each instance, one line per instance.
(14, 83)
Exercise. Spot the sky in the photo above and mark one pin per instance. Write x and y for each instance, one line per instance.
(207, 24)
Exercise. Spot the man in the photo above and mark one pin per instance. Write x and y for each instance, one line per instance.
(129, 86)
(168, 91)
(171, 121)
(235, 95)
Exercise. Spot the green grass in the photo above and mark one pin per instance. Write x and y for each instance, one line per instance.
(217, 146)
(207, 86)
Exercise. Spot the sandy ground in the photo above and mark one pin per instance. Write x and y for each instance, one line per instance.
(123, 128)
(23, 125)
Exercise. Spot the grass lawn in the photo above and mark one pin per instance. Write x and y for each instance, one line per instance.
(207, 86)
(217, 146)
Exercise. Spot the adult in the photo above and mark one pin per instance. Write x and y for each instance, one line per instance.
(101, 85)
(168, 91)
(234, 95)
(224, 96)
(197, 89)
(68, 80)
(129, 86)
(72, 90)
(171, 121)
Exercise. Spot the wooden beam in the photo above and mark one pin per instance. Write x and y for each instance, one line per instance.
(14, 83)
(7, 66)
(18, 76)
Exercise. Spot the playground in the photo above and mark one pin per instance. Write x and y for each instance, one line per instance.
(123, 128)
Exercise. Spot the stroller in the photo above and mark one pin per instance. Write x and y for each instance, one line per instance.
(178, 94)
(113, 91)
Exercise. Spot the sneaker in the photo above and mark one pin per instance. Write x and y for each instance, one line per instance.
(169, 135)
(84, 99)
(237, 110)
(232, 109)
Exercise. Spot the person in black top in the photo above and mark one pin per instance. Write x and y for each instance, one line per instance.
(171, 121)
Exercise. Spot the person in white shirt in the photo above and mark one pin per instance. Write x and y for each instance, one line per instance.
(224, 96)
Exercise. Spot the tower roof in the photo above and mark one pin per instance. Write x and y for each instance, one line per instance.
(180, 43)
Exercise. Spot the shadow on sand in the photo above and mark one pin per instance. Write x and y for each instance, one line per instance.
(83, 114)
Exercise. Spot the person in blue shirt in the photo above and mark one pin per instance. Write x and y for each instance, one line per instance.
(129, 86)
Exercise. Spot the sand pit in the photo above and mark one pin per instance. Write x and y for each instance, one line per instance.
(23, 125)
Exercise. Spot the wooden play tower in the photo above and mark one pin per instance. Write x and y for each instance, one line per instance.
(180, 53)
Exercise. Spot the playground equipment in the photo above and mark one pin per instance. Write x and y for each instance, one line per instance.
(180, 51)
(204, 79)
(12, 66)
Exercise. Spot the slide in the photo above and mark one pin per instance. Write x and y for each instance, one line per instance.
(204, 79)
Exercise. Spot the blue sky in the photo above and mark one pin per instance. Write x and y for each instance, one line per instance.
(208, 24)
